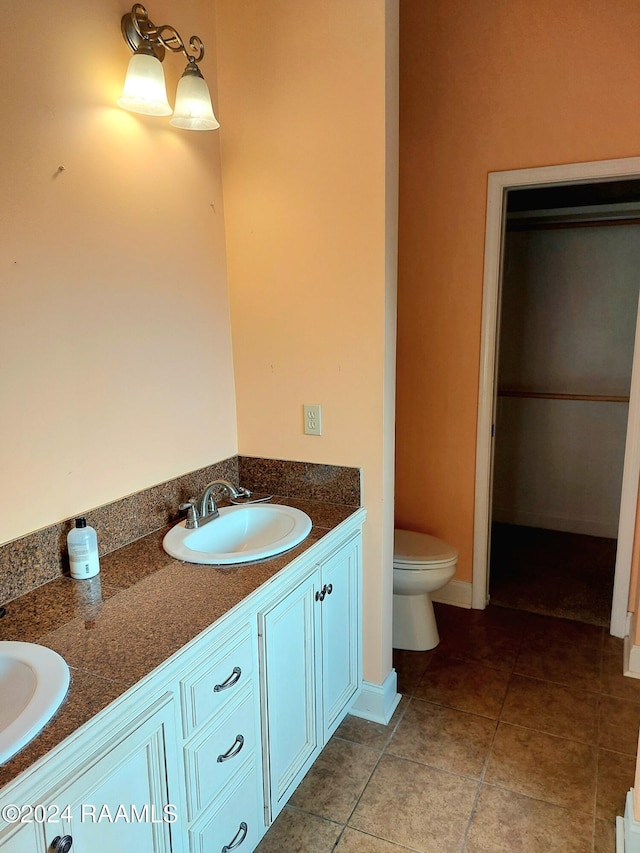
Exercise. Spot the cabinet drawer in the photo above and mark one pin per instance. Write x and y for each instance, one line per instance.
(235, 821)
(213, 757)
(217, 680)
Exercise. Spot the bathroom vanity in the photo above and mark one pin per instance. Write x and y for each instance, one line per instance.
(202, 751)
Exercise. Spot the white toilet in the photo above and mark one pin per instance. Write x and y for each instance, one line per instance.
(421, 564)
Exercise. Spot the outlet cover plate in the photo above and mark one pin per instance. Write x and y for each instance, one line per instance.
(312, 419)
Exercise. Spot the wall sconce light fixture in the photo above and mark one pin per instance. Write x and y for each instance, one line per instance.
(144, 87)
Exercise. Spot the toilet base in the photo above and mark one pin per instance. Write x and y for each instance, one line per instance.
(414, 623)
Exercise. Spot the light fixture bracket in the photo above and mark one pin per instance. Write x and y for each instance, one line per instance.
(141, 33)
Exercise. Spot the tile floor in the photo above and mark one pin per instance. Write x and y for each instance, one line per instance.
(518, 734)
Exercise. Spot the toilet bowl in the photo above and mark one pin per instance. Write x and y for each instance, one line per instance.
(421, 565)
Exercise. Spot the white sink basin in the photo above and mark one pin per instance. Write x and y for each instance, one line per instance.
(33, 682)
(240, 534)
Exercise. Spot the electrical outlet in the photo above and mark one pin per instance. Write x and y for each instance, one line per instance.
(312, 419)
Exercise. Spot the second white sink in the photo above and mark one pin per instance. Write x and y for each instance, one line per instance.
(240, 534)
(33, 682)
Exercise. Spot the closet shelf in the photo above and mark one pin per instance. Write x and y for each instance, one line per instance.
(548, 395)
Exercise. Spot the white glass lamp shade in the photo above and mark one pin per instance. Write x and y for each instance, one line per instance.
(144, 87)
(193, 110)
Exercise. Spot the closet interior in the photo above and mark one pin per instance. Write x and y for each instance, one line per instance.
(569, 302)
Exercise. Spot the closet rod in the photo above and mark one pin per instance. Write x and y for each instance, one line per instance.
(550, 225)
(547, 395)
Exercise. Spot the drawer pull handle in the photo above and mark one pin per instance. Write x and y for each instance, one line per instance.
(233, 750)
(237, 839)
(234, 678)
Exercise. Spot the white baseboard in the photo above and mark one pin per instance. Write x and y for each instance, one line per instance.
(455, 592)
(630, 836)
(631, 661)
(585, 526)
(619, 834)
(377, 702)
(631, 653)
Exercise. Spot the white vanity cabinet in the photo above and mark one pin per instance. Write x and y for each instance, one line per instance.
(172, 767)
(208, 746)
(311, 670)
(118, 797)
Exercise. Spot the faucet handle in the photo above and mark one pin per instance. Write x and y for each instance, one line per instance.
(193, 517)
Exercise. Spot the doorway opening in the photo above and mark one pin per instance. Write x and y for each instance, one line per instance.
(559, 390)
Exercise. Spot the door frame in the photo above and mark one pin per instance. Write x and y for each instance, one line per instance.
(498, 184)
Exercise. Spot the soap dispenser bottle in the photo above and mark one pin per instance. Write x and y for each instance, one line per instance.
(82, 542)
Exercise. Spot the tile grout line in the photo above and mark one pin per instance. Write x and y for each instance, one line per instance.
(373, 769)
(481, 781)
(598, 737)
(375, 766)
(345, 825)
(377, 837)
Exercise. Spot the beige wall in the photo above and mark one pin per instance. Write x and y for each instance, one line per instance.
(485, 85)
(115, 354)
(302, 103)
(115, 344)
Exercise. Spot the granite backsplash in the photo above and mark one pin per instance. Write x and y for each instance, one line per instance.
(41, 556)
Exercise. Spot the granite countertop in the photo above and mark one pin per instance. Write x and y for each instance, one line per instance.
(142, 608)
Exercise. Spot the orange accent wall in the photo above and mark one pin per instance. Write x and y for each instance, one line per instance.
(485, 85)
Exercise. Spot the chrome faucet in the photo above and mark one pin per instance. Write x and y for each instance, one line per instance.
(204, 509)
(208, 507)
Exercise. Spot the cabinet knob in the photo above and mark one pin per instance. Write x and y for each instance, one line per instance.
(61, 844)
(237, 839)
(326, 590)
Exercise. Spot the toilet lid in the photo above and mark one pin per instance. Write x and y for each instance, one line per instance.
(414, 550)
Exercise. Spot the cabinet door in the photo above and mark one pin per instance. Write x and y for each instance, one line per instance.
(120, 800)
(341, 633)
(23, 838)
(289, 690)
